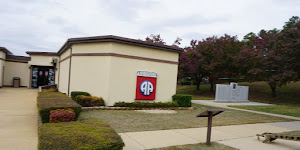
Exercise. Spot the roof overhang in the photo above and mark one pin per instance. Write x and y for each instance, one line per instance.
(42, 53)
(14, 57)
(6, 51)
(112, 38)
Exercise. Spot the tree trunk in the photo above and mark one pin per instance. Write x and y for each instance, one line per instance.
(211, 86)
(274, 91)
(198, 85)
(198, 80)
(273, 88)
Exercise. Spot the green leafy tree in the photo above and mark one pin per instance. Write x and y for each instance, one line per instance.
(155, 39)
(248, 39)
(289, 39)
(291, 22)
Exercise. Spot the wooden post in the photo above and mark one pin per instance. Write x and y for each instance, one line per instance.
(209, 124)
(210, 113)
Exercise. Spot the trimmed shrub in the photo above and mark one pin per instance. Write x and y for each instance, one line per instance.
(75, 93)
(183, 100)
(146, 105)
(89, 101)
(48, 101)
(62, 115)
(88, 134)
(52, 90)
(185, 83)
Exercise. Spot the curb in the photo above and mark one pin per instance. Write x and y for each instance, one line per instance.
(134, 108)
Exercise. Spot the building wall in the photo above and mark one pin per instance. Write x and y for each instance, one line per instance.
(2, 64)
(65, 54)
(114, 78)
(103, 47)
(123, 70)
(41, 60)
(63, 72)
(144, 52)
(16, 69)
(123, 78)
(90, 74)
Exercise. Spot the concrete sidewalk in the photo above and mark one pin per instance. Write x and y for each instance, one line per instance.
(225, 105)
(18, 119)
(238, 136)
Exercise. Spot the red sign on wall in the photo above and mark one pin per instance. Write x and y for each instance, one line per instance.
(145, 88)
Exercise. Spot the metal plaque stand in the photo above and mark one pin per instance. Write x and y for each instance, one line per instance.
(210, 113)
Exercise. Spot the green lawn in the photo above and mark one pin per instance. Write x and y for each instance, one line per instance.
(129, 120)
(258, 91)
(200, 146)
(202, 94)
(290, 110)
(287, 99)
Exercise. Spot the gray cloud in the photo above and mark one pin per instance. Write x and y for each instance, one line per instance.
(188, 21)
(35, 25)
(126, 10)
(56, 20)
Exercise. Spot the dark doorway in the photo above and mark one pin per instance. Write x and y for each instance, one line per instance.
(42, 75)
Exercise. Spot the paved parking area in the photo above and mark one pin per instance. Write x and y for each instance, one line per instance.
(18, 119)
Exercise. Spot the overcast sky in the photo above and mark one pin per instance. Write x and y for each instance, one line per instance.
(44, 25)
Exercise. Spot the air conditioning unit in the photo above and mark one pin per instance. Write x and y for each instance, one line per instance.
(54, 60)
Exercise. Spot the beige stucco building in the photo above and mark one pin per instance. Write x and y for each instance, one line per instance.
(111, 67)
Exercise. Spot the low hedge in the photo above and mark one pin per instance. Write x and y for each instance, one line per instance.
(146, 105)
(75, 93)
(50, 100)
(89, 101)
(183, 100)
(88, 134)
(61, 115)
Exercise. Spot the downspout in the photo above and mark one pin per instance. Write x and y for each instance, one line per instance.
(58, 74)
(30, 77)
(70, 71)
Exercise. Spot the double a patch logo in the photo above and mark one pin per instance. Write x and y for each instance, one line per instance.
(145, 85)
(146, 88)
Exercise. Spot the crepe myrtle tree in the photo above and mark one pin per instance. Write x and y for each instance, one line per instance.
(273, 56)
(213, 57)
(269, 60)
(219, 58)
(190, 64)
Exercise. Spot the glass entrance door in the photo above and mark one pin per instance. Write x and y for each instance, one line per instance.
(42, 75)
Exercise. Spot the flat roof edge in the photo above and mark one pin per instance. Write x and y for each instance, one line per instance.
(15, 57)
(42, 53)
(111, 38)
(5, 50)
